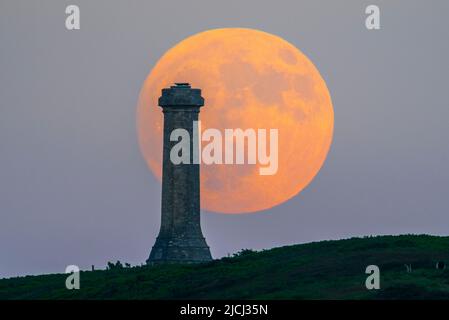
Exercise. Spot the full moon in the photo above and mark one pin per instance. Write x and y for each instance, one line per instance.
(249, 79)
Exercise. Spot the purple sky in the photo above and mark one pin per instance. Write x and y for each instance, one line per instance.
(74, 188)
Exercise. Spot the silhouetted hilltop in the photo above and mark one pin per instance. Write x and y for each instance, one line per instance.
(319, 270)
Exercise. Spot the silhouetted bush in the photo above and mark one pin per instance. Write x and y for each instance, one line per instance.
(117, 266)
(244, 252)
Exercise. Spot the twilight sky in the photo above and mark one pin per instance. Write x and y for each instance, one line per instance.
(75, 189)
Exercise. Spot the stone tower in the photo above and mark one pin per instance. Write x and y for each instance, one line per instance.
(180, 238)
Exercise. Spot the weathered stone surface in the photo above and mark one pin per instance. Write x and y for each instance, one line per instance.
(180, 238)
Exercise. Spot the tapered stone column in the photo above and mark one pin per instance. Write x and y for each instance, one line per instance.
(180, 238)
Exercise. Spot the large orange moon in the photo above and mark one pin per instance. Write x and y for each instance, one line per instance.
(249, 79)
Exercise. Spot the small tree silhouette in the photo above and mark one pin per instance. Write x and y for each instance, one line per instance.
(114, 266)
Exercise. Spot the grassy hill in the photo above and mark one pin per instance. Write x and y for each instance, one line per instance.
(319, 270)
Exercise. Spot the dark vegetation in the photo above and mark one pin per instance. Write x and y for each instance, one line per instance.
(320, 270)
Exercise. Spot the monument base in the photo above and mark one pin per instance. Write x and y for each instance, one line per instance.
(181, 250)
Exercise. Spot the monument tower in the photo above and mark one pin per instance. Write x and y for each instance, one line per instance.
(180, 238)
